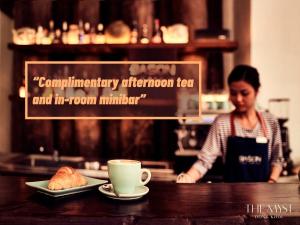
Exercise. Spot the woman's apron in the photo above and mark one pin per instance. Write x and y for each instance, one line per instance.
(247, 158)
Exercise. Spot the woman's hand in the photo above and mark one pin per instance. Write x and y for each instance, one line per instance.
(272, 181)
(190, 177)
(185, 178)
(275, 173)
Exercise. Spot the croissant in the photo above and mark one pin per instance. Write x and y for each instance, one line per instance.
(66, 177)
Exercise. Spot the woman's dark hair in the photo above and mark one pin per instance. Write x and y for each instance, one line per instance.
(245, 73)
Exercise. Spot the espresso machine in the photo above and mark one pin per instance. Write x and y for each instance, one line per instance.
(280, 108)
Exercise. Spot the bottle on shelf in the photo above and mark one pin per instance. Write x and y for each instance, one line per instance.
(134, 33)
(51, 31)
(99, 37)
(57, 38)
(73, 34)
(81, 32)
(92, 35)
(39, 35)
(157, 36)
(64, 35)
(144, 38)
(87, 32)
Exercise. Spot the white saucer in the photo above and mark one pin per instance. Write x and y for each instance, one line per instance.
(107, 189)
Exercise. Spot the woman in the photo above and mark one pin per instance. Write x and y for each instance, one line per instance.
(248, 141)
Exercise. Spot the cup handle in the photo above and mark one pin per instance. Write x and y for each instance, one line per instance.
(148, 176)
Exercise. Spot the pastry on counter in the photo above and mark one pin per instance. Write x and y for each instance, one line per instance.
(66, 177)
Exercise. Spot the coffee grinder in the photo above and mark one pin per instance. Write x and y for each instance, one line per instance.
(280, 108)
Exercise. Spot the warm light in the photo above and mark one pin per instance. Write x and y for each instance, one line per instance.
(22, 92)
(145, 41)
(222, 37)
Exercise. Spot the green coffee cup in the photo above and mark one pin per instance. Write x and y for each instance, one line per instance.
(125, 175)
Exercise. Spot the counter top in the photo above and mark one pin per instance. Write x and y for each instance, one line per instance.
(10, 165)
(166, 203)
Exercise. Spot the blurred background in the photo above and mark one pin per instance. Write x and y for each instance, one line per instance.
(218, 33)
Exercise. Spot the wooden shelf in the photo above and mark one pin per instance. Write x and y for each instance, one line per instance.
(200, 45)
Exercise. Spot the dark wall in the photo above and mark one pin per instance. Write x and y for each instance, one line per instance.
(144, 139)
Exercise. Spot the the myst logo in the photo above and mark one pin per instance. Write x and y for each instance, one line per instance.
(249, 159)
(273, 210)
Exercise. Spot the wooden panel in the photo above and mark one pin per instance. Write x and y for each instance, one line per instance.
(87, 11)
(164, 11)
(242, 15)
(215, 77)
(88, 134)
(141, 11)
(136, 139)
(215, 14)
(32, 13)
(63, 10)
(64, 139)
(20, 12)
(166, 203)
(193, 14)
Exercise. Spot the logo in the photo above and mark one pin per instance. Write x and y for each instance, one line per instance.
(272, 210)
(249, 159)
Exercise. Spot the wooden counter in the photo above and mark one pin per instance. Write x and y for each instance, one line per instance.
(166, 203)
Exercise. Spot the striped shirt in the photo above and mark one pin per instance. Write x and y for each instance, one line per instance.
(216, 142)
